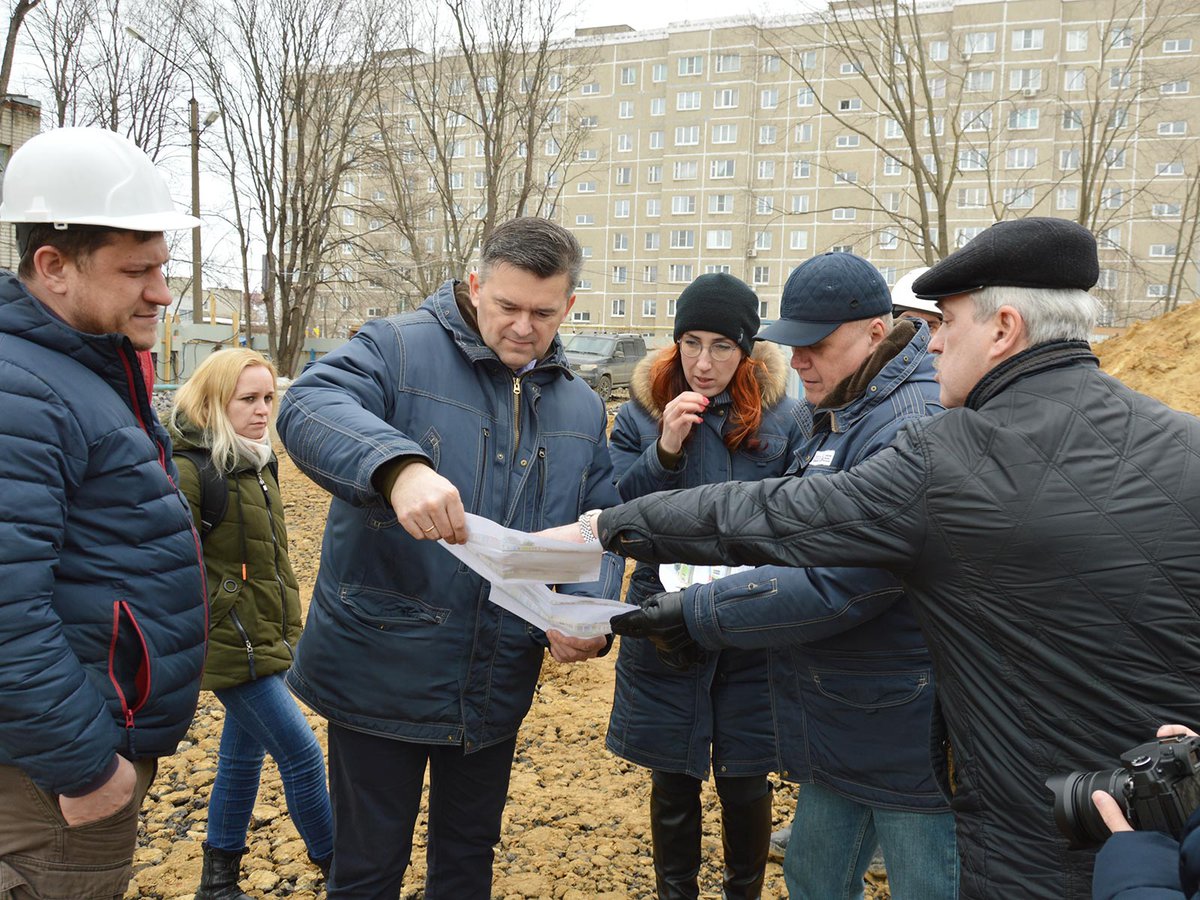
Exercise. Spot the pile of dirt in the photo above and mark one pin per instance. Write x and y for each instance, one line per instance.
(1160, 357)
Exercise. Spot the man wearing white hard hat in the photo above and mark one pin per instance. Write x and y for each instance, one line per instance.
(103, 615)
(907, 305)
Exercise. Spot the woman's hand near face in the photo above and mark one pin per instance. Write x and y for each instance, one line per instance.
(679, 417)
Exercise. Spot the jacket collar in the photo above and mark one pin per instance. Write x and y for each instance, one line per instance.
(903, 356)
(24, 316)
(1041, 358)
(451, 306)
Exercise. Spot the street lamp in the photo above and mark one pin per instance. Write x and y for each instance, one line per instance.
(194, 128)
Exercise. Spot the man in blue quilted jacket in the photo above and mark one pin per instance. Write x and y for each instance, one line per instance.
(103, 615)
(463, 405)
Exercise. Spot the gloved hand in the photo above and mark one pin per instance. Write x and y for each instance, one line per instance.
(660, 619)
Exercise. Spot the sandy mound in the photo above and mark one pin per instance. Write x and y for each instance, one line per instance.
(1160, 357)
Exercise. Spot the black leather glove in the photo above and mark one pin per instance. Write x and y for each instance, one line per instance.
(660, 620)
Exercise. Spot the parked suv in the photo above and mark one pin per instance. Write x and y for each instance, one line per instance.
(605, 361)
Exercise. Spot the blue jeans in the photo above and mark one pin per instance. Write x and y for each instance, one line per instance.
(833, 839)
(377, 783)
(261, 717)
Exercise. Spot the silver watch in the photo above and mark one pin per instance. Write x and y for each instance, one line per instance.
(585, 526)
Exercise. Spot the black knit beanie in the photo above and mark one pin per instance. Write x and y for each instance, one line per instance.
(722, 304)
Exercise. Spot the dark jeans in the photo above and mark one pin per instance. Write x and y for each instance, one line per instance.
(42, 856)
(375, 786)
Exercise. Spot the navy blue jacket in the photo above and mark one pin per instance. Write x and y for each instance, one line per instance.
(665, 719)
(855, 709)
(1148, 865)
(401, 639)
(103, 614)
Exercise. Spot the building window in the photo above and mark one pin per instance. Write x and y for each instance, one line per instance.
(718, 239)
(618, 307)
(798, 240)
(1025, 80)
(799, 203)
(1077, 41)
(845, 177)
(716, 270)
(620, 274)
(1120, 78)
(1166, 210)
(621, 209)
(720, 203)
(684, 170)
(1177, 45)
(978, 81)
(1112, 198)
(680, 273)
(1114, 158)
(1021, 158)
(1172, 128)
(650, 274)
(1068, 160)
(1018, 198)
(585, 219)
(581, 315)
(625, 109)
(972, 198)
(1109, 238)
(624, 175)
(592, 87)
(770, 64)
(620, 241)
(728, 62)
(976, 119)
(939, 51)
(764, 206)
(1028, 39)
(586, 187)
(801, 168)
(963, 235)
(1162, 250)
(767, 134)
(687, 135)
(658, 106)
(978, 42)
(683, 205)
(653, 211)
(686, 100)
(844, 214)
(1023, 119)
(844, 141)
(1175, 87)
(624, 143)
(683, 239)
(763, 241)
(1067, 198)
(727, 98)
(892, 166)
(658, 73)
(649, 309)
(691, 65)
(849, 104)
(766, 169)
(1074, 80)
(762, 275)
(1120, 38)
(1169, 168)
(972, 160)
(888, 240)
(768, 98)
(721, 168)
(1072, 120)
(654, 174)
(805, 97)
(629, 75)
(804, 133)
(653, 240)
(657, 140)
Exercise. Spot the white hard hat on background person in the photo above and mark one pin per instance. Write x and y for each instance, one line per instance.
(88, 176)
(903, 297)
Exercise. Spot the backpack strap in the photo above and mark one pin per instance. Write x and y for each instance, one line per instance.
(214, 492)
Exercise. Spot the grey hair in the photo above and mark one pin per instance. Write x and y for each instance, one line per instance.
(536, 245)
(1050, 314)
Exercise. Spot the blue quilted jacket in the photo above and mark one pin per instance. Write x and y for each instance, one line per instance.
(103, 614)
(401, 639)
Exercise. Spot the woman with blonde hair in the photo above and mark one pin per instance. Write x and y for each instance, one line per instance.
(220, 429)
(710, 408)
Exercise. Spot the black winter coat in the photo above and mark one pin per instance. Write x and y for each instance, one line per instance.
(1049, 534)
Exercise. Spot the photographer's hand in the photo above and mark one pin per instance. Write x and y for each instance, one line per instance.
(1110, 811)
(1175, 731)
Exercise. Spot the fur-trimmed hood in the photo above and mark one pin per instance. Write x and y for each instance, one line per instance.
(773, 380)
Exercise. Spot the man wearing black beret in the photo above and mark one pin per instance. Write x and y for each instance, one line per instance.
(1045, 527)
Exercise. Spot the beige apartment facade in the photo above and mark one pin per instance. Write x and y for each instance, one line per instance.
(748, 147)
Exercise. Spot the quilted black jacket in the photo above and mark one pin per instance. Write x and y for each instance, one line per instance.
(1049, 533)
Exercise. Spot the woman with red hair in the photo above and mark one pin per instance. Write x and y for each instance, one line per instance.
(711, 407)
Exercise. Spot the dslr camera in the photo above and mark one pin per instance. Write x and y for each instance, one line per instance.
(1158, 788)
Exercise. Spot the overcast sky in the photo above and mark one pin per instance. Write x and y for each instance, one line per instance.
(645, 16)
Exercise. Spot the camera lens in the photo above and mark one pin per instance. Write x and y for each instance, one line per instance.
(1075, 814)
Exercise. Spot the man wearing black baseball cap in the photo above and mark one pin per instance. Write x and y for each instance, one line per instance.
(1045, 529)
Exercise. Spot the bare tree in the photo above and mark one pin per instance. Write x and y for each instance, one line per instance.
(58, 35)
(293, 79)
(474, 130)
(16, 19)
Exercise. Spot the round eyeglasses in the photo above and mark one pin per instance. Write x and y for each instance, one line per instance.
(718, 351)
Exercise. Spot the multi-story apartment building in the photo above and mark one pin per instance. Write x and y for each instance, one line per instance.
(20, 119)
(730, 146)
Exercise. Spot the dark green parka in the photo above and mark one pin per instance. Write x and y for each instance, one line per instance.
(255, 613)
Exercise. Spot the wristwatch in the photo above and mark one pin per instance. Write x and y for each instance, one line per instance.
(585, 526)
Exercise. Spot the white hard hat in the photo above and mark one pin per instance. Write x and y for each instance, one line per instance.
(903, 297)
(88, 176)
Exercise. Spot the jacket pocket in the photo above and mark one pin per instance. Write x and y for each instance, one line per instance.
(870, 690)
(382, 608)
(128, 662)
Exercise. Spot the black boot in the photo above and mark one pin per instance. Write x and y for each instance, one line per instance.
(219, 880)
(675, 828)
(746, 834)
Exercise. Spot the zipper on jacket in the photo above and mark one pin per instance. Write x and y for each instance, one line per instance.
(516, 415)
(237, 623)
(275, 558)
(142, 678)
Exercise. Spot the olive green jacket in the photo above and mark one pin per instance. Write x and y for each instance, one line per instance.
(254, 620)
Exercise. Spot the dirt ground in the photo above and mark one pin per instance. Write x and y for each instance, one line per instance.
(1160, 357)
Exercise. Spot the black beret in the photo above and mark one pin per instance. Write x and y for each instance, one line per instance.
(1034, 252)
(720, 303)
